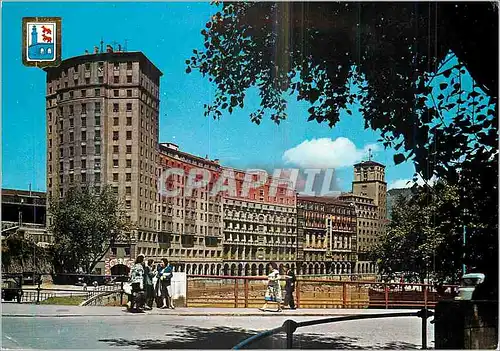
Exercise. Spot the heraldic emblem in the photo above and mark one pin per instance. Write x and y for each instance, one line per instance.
(41, 41)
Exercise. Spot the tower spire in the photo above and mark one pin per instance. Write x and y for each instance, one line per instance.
(369, 154)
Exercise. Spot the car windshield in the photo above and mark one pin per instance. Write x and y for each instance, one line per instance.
(470, 281)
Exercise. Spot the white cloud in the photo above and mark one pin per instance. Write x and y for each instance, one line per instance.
(408, 183)
(327, 153)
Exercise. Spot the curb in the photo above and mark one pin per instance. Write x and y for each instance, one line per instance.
(263, 314)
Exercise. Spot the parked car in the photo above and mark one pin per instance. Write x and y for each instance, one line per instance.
(468, 284)
(12, 287)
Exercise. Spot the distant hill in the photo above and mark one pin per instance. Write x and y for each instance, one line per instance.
(392, 196)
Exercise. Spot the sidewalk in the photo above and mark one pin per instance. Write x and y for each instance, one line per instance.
(25, 310)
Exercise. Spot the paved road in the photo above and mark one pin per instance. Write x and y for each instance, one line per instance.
(183, 329)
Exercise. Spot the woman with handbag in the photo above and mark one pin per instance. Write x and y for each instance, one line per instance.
(273, 291)
(164, 275)
(136, 297)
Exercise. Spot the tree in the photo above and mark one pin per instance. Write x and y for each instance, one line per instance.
(85, 225)
(391, 61)
(424, 235)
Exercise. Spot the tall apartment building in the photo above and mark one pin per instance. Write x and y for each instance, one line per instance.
(190, 232)
(369, 191)
(326, 235)
(102, 129)
(259, 226)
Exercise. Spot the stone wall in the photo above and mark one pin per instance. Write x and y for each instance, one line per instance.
(466, 325)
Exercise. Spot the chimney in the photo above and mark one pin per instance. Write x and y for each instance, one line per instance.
(86, 52)
(216, 160)
(109, 48)
(119, 48)
(96, 50)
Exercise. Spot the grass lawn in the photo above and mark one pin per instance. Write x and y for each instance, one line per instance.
(63, 300)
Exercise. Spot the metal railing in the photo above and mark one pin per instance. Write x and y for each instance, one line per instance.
(248, 291)
(289, 326)
(110, 284)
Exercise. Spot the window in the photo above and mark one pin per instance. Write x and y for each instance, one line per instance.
(71, 110)
(84, 150)
(129, 121)
(61, 152)
(84, 93)
(115, 163)
(129, 149)
(116, 79)
(84, 135)
(71, 151)
(71, 164)
(71, 94)
(129, 93)
(97, 149)
(97, 107)
(115, 149)
(84, 122)
(84, 108)
(115, 108)
(129, 106)
(84, 163)
(116, 65)
(115, 177)
(129, 79)
(71, 122)
(97, 92)
(129, 135)
(71, 136)
(97, 177)
(101, 80)
(87, 81)
(129, 65)
(116, 135)
(128, 177)
(128, 204)
(129, 163)
(116, 93)
(87, 66)
(71, 178)
(97, 120)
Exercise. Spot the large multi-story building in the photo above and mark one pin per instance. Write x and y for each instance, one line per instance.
(326, 235)
(102, 129)
(190, 231)
(259, 225)
(369, 191)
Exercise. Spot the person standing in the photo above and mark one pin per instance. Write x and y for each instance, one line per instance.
(273, 291)
(289, 287)
(148, 284)
(165, 275)
(137, 280)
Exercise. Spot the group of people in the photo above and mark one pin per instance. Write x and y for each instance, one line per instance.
(150, 283)
(275, 279)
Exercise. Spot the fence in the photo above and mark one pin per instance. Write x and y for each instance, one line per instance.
(43, 290)
(247, 291)
(290, 326)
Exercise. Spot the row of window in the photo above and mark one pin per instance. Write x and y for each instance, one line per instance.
(155, 252)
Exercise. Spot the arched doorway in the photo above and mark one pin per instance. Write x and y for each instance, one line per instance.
(120, 269)
(247, 269)
(322, 269)
(194, 269)
(212, 269)
(261, 269)
(254, 269)
(226, 269)
(233, 269)
(240, 269)
(207, 269)
(188, 269)
(316, 268)
(311, 269)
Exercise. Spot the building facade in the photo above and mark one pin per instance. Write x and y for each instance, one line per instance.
(326, 236)
(259, 226)
(369, 196)
(102, 129)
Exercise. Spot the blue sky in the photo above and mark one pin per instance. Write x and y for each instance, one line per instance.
(167, 33)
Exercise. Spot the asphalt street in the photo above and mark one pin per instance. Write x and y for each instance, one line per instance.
(178, 331)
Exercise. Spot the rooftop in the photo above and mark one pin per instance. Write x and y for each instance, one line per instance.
(322, 199)
(368, 163)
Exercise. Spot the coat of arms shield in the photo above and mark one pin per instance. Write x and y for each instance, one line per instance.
(41, 41)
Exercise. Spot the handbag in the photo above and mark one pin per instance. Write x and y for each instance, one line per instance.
(127, 288)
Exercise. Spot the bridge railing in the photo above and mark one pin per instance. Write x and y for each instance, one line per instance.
(249, 291)
(289, 327)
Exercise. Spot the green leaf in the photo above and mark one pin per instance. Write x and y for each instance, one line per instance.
(188, 69)
(399, 158)
(443, 86)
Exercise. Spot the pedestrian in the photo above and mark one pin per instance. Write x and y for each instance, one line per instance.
(289, 287)
(273, 291)
(165, 274)
(148, 284)
(136, 302)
